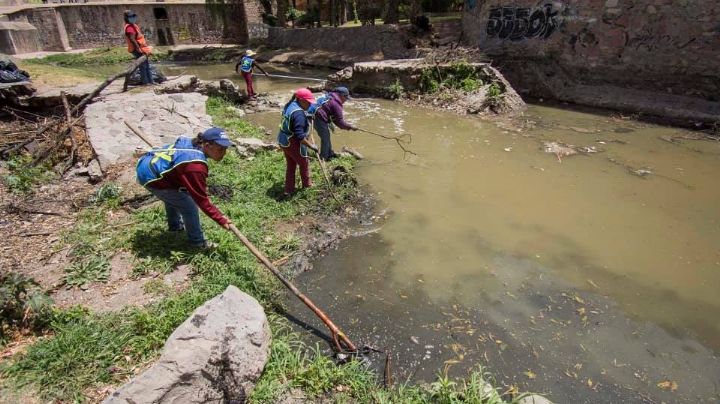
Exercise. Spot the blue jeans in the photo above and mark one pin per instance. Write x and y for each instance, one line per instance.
(181, 209)
(323, 130)
(145, 73)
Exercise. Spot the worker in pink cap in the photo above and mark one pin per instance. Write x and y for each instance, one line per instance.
(294, 139)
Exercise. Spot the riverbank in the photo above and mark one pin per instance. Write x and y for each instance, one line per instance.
(80, 354)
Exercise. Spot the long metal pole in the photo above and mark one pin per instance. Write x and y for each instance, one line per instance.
(282, 76)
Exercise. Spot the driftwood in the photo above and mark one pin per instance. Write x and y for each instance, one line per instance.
(109, 80)
(75, 109)
(353, 152)
(12, 208)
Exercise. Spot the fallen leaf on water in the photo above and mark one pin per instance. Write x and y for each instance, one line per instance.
(581, 311)
(530, 374)
(589, 382)
(668, 385)
(579, 299)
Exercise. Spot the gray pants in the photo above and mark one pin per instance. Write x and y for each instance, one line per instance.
(324, 131)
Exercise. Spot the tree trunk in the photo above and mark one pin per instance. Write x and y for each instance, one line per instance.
(333, 13)
(392, 14)
(414, 10)
(282, 8)
(319, 13)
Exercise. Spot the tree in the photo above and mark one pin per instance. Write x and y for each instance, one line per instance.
(282, 9)
(392, 12)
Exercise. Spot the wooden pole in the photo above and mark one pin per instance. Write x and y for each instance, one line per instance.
(339, 338)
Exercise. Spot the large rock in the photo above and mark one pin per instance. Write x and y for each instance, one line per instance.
(162, 117)
(215, 356)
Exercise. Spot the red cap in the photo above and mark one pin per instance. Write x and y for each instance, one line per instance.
(305, 94)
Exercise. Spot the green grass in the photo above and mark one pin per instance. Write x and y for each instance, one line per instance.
(94, 349)
(225, 116)
(23, 176)
(86, 350)
(101, 56)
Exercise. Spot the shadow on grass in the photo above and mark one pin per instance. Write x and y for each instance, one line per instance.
(276, 191)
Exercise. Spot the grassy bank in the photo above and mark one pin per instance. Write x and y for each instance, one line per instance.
(96, 57)
(84, 352)
(66, 69)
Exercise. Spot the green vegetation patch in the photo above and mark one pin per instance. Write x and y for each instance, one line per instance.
(23, 175)
(459, 75)
(90, 350)
(225, 115)
(100, 56)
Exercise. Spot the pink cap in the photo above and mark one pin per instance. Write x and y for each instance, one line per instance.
(305, 94)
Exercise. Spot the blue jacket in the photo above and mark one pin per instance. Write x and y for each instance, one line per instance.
(246, 64)
(294, 124)
(157, 162)
(321, 100)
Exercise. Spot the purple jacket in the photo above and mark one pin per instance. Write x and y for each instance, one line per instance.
(332, 111)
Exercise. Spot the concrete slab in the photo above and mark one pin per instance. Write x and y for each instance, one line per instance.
(162, 117)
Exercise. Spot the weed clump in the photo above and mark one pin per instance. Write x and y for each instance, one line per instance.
(23, 175)
(395, 90)
(458, 76)
(22, 304)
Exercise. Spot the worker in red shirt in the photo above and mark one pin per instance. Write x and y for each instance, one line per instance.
(137, 45)
(177, 175)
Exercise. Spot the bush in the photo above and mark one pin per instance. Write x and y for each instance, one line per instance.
(22, 304)
(459, 76)
(108, 194)
(395, 90)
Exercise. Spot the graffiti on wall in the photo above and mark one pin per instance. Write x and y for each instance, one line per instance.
(517, 23)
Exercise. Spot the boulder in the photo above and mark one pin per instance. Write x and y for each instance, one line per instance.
(215, 356)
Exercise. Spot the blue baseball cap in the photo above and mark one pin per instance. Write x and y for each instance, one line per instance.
(217, 135)
(342, 91)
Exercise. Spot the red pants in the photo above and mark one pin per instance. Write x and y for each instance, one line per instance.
(248, 83)
(293, 159)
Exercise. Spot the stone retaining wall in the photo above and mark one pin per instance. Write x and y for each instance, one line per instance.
(18, 37)
(81, 26)
(548, 48)
(380, 42)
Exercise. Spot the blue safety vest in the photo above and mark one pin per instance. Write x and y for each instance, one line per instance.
(154, 164)
(321, 100)
(285, 133)
(246, 64)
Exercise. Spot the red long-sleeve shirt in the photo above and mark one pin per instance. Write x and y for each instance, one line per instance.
(192, 177)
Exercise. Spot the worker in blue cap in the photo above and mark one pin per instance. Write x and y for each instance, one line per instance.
(177, 175)
(328, 112)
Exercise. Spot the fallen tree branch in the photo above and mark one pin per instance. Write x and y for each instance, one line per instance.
(12, 208)
(107, 82)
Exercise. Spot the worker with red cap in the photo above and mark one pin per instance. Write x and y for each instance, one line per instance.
(294, 139)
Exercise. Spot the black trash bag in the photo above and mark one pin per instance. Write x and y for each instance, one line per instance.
(9, 73)
(158, 77)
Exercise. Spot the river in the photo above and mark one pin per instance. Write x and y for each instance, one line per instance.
(591, 278)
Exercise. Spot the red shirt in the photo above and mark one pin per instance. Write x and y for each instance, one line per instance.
(130, 29)
(192, 177)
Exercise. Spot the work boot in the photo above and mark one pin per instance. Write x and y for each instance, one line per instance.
(205, 245)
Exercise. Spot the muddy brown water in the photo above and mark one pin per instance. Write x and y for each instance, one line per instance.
(575, 279)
